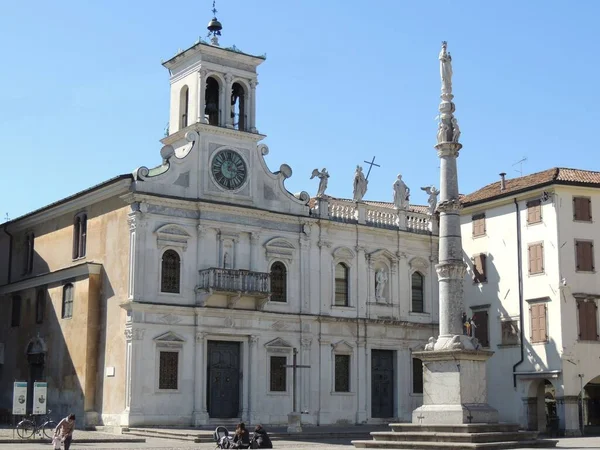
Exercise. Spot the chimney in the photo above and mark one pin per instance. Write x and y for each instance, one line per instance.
(502, 182)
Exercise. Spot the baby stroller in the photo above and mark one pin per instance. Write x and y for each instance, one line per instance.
(222, 437)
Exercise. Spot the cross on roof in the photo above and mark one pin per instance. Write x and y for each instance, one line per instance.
(371, 164)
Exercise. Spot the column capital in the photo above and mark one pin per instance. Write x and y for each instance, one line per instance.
(448, 149)
(254, 236)
(228, 78)
(253, 340)
(253, 84)
(451, 271)
(200, 337)
(452, 204)
(323, 243)
(306, 342)
(203, 72)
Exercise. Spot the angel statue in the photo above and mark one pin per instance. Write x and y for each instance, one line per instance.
(360, 184)
(323, 177)
(432, 200)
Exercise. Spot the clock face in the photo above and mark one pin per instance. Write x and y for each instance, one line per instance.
(229, 169)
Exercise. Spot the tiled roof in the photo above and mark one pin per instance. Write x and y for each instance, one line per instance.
(556, 175)
(423, 209)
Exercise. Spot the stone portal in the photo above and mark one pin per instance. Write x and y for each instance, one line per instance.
(223, 374)
(382, 383)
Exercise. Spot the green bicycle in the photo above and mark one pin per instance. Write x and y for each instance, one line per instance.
(29, 427)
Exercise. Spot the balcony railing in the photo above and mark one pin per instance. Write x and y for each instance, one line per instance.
(234, 283)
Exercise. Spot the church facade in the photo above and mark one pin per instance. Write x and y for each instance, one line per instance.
(178, 295)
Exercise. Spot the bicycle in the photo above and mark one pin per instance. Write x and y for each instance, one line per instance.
(28, 427)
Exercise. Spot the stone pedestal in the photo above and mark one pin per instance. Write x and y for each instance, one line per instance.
(294, 422)
(454, 388)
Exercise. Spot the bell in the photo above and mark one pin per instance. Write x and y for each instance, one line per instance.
(214, 26)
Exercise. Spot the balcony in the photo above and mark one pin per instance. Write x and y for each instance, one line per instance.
(233, 284)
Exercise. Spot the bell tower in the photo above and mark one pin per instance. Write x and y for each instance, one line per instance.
(213, 85)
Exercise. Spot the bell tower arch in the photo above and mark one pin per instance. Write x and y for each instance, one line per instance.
(213, 85)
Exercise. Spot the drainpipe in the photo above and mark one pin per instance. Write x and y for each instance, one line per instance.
(10, 247)
(520, 271)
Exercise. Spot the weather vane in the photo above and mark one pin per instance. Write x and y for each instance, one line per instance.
(214, 27)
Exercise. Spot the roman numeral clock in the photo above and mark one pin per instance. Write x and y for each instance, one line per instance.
(229, 169)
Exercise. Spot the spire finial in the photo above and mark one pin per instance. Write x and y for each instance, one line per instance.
(214, 27)
(448, 130)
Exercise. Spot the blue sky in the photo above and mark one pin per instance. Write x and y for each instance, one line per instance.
(83, 95)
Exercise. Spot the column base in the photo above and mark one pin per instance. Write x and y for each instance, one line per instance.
(199, 418)
(294, 422)
(454, 387)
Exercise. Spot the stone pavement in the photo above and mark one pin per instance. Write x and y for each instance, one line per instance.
(10, 437)
(335, 444)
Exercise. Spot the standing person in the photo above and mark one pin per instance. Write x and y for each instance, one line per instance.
(261, 438)
(64, 429)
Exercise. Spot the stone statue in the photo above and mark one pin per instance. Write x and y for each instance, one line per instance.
(430, 345)
(455, 130)
(226, 260)
(442, 135)
(381, 279)
(401, 193)
(360, 184)
(323, 177)
(432, 200)
(446, 67)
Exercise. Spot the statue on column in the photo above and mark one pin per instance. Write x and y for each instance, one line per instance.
(446, 68)
(455, 130)
(360, 184)
(432, 200)
(323, 177)
(401, 193)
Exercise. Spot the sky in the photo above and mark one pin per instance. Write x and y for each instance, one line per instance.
(84, 97)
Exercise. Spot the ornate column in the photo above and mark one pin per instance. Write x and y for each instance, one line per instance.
(253, 377)
(228, 122)
(403, 279)
(363, 286)
(325, 277)
(254, 242)
(200, 411)
(201, 95)
(305, 270)
(137, 262)
(454, 367)
(134, 338)
(363, 380)
(252, 107)
(304, 375)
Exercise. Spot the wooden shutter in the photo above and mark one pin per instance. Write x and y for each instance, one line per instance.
(588, 326)
(534, 211)
(479, 268)
(584, 251)
(478, 225)
(536, 258)
(582, 208)
(481, 331)
(538, 322)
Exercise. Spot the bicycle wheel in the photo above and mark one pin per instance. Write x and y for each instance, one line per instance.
(25, 429)
(49, 428)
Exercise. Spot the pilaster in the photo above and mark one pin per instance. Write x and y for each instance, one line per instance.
(363, 388)
(201, 94)
(570, 414)
(253, 378)
(135, 337)
(200, 415)
(228, 86)
(252, 113)
(254, 248)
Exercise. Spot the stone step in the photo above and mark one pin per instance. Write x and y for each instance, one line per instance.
(416, 445)
(461, 428)
(428, 436)
(165, 434)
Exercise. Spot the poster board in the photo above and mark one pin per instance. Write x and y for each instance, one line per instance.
(40, 397)
(19, 398)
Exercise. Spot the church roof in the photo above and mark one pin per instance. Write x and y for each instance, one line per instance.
(556, 175)
(198, 46)
(414, 208)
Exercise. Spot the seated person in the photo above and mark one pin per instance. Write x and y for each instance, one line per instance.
(261, 438)
(241, 438)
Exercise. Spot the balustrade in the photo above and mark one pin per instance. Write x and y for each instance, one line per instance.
(235, 280)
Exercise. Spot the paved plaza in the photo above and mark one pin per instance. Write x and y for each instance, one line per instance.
(167, 444)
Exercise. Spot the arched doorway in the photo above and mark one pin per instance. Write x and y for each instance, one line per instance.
(212, 106)
(36, 358)
(542, 414)
(238, 107)
(591, 406)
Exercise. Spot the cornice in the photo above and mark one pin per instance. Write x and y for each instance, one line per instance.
(66, 206)
(204, 129)
(80, 270)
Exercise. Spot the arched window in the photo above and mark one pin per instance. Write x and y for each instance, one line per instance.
(238, 107)
(79, 235)
(67, 301)
(417, 292)
(170, 273)
(278, 282)
(184, 105)
(28, 254)
(211, 110)
(341, 285)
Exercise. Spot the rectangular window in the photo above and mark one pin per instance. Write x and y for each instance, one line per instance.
(168, 370)
(278, 381)
(537, 314)
(15, 318)
(40, 305)
(582, 209)
(534, 211)
(536, 258)
(479, 268)
(510, 332)
(584, 256)
(79, 236)
(588, 325)
(417, 290)
(341, 285)
(478, 225)
(480, 319)
(342, 373)
(28, 253)
(417, 378)
(67, 301)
